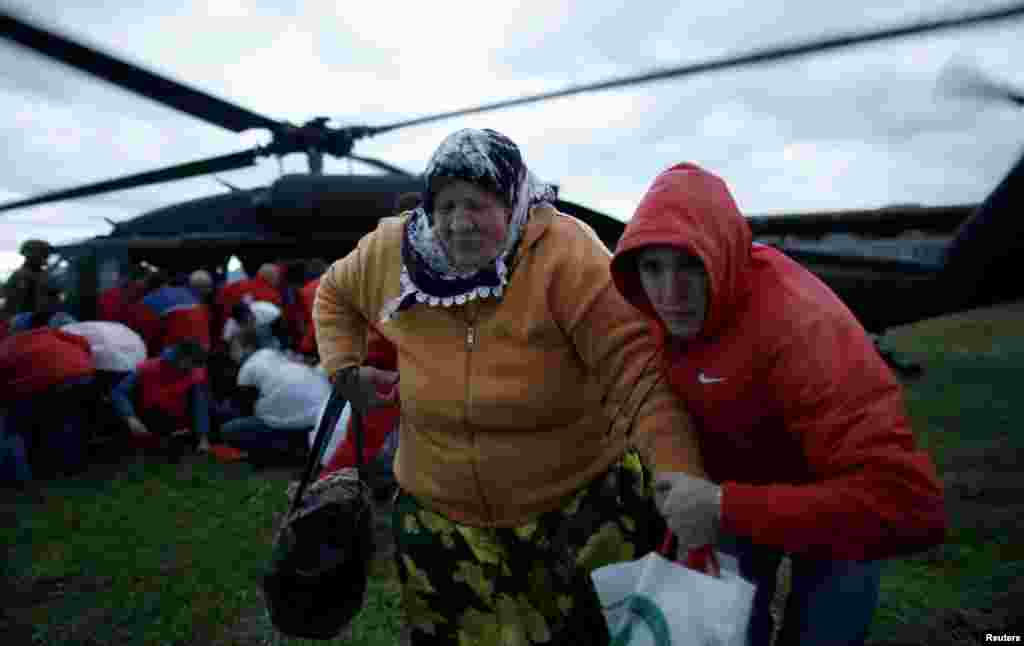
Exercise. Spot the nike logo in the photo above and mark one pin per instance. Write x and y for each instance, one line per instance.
(704, 379)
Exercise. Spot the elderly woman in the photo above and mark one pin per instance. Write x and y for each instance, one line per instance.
(527, 381)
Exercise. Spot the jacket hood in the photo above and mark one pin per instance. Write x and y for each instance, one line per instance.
(689, 208)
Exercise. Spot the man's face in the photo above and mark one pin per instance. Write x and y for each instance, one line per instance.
(677, 286)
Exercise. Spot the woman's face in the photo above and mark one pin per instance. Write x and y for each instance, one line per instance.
(471, 222)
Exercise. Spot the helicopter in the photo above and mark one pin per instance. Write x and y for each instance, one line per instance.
(307, 215)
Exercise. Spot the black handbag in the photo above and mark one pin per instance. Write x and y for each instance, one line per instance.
(315, 583)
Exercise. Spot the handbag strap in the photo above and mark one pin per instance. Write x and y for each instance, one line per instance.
(332, 412)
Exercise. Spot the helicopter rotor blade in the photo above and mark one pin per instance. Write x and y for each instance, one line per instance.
(752, 58)
(961, 78)
(376, 163)
(222, 163)
(132, 77)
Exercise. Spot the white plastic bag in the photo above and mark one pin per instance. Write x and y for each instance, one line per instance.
(655, 602)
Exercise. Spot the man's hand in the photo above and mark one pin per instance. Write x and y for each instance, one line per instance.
(691, 507)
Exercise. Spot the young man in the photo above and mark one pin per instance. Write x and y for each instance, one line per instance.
(166, 394)
(286, 395)
(803, 427)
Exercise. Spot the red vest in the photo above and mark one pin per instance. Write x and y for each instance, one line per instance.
(32, 362)
(189, 323)
(164, 388)
(145, 322)
(113, 304)
(307, 296)
(109, 303)
(232, 293)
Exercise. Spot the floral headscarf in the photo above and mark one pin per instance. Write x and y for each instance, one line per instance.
(492, 161)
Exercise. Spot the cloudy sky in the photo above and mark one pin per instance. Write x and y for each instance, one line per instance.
(861, 128)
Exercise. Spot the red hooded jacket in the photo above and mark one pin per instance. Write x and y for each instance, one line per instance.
(799, 417)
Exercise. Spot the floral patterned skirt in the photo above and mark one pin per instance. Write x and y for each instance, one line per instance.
(524, 585)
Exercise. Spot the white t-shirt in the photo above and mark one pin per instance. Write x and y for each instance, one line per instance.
(291, 393)
(114, 346)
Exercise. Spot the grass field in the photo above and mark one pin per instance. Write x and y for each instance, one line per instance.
(152, 553)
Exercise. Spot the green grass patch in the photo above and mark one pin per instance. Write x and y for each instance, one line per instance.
(154, 557)
(964, 404)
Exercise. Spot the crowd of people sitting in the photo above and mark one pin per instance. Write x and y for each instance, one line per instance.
(171, 364)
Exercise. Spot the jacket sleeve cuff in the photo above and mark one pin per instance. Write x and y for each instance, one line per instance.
(664, 434)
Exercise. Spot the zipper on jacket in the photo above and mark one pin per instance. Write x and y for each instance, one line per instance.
(471, 319)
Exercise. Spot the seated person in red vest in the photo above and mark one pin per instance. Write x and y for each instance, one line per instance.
(261, 287)
(113, 301)
(45, 385)
(283, 399)
(168, 393)
(381, 365)
(179, 315)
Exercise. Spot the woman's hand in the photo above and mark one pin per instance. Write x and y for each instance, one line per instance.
(383, 378)
(359, 387)
(691, 507)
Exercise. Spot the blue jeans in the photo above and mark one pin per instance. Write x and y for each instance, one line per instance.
(47, 432)
(831, 603)
(256, 437)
